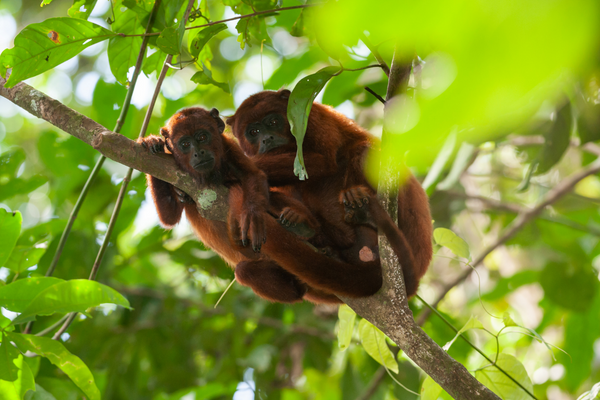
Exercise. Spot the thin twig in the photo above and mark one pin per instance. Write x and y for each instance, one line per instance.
(375, 53)
(378, 97)
(522, 219)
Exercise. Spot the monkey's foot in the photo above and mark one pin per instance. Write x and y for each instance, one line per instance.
(154, 144)
(182, 196)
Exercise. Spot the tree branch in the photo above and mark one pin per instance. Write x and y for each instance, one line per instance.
(116, 147)
(522, 219)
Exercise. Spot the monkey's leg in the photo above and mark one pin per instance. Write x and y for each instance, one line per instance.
(270, 281)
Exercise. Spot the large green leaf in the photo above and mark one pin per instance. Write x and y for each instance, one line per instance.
(23, 257)
(169, 41)
(346, 318)
(203, 37)
(123, 51)
(18, 295)
(500, 384)
(8, 353)
(447, 238)
(472, 323)
(18, 186)
(74, 295)
(299, 106)
(373, 340)
(56, 353)
(154, 63)
(10, 227)
(42, 46)
(430, 389)
(204, 77)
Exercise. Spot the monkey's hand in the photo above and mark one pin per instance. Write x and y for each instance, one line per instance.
(298, 222)
(355, 202)
(251, 228)
(154, 144)
(182, 196)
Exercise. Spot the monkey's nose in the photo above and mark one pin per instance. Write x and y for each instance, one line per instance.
(267, 139)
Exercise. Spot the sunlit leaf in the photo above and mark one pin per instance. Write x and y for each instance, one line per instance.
(123, 51)
(447, 238)
(500, 384)
(373, 341)
(42, 46)
(203, 36)
(204, 77)
(69, 296)
(430, 389)
(346, 318)
(10, 227)
(154, 63)
(23, 384)
(299, 106)
(508, 321)
(17, 295)
(58, 355)
(81, 8)
(8, 354)
(472, 323)
(23, 257)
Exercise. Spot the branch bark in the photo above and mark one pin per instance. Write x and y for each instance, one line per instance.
(388, 309)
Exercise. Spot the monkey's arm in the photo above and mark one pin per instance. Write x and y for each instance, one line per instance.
(280, 167)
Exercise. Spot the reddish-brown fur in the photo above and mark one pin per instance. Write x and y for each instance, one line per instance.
(305, 273)
(334, 151)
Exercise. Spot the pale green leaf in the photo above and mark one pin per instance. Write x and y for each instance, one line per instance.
(10, 227)
(373, 340)
(81, 8)
(58, 355)
(508, 321)
(40, 394)
(18, 295)
(472, 323)
(8, 354)
(500, 384)
(447, 238)
(347, 317)
(23, 257)
(69, 296)
(299, 106)
(22, 384)
(42, 46)
(430, 390)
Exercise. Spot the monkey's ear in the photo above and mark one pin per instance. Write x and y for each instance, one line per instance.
(164, 132)
(220, 124)
(285, 94)
(231, 120)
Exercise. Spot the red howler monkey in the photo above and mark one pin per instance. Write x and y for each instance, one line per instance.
(334, 150)
(288, 269)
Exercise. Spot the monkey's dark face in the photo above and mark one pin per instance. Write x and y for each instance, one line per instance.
(194, 137)
(197, 148)
(267, 134)
(260, 123)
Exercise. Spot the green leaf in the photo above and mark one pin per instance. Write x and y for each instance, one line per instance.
(10, 227)
(472, 323)
(557, 140)
(430, 389)
(8, 354)
(18, 186)
(571, 286)
(58, 355)
(18, 295)
(40, 394)
(123, 51)
(508, 321)
(252, 30)
(10, 162)
(299, 106)
(22, 384)
(169, 41)
(154, 63)
(81, 9)
(440, 162)
(373, 340)
(588, 123)
(447, 238)
(346, 316)
(204, 77)
(23, 257)
(500, 384)
(42, 46)
(69, 296)
(203, 37)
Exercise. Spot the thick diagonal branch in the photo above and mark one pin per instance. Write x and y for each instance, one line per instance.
(211, 202)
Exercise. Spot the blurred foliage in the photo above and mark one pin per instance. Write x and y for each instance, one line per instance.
(518, 84)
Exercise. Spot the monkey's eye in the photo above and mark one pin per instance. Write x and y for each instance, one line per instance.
(185, 145)
(254, 132)
(273, 122)
(201, 138)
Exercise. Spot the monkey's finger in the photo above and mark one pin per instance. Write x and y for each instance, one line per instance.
(244, 227)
